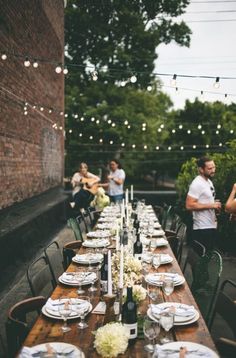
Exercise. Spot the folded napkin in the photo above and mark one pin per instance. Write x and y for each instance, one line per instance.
(70, 277)
(159, 277)
(181, 310)
(158, 233)
(52, 306)
(99, 233)
(96, 243)
(165, 258)
(27, 352)
(174, 352)
(89, 256)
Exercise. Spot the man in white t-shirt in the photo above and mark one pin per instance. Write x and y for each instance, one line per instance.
(201, 201)
(116, 178)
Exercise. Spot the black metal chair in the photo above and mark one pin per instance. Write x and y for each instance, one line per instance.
(226, 347)
(55, 260)
(18, 325)
(206, 276)
(196, 251)
(82, 224)
(73, 224)
(69, 251)
(40, 277)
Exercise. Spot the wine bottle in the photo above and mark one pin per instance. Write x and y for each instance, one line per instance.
(138, 248)
(129, 315)
(104, 275)
(136, 224)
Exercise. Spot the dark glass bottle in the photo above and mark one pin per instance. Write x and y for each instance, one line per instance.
(129, 315)
(138, 248)
(104, 275)
(136, 224)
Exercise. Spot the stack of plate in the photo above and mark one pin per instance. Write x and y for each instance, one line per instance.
(158, 233)
(183, 314)
(74, 278)
(60, 348)
(194, 350)
(156, 279)
(50, 309)
(108, 225)
(99, 234)
(166, 259)
(161, 242)
(87, 259)
(96, 243)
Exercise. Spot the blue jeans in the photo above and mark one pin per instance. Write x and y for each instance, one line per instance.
(116, 198)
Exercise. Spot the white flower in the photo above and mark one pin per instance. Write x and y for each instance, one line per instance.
(132, 269)
(139, 293)
(111, 340)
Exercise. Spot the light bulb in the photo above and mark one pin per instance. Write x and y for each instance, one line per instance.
(4, 57)
(217, 82)
(133, 145)
(180, 126)
(94, 76)
(50, 111)
(129, 126)
(126, 123)
(123, 83)
(145, 146)
(76, 116)
(92, 119)
(91, 137)
(188, 131)
(194, 146)
(181, 148)
(217, 132)
(35, 64)
(97, 121)
(111, 141)
(82, 119)
(25, 113)
(100, 140)
(66, 115)
(61, 113)
(199, 126)
(220, 144)
(162, 126)
(149, 88)
(219, 126)
(173, 80)
(159, 130)
(80, 134)
(173, 130)
(61, 128)
(169, 148)
(133, 79)
(203, 132)
(207, 145)
(70, 131)
(144, 129)
(34, 107)
(58, 69)
(41, 109)
(65, 71)
(122, 144)
(27, 62)
(231, 131)
(113, 125)
(157, 148)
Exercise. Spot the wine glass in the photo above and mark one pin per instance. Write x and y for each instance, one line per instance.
(153, 244)
(93, 280)
(65, 309)
(82, 312)
(151, 330)
(167, 322)
(80, 279)
(156, 260)
(168, 286)
(153, 293)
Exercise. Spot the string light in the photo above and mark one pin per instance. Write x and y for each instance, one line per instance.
(144, 129)
(157, 148)
(100, 140)
(181, 148)
(126, 123)
(113, 124)
(92, 119)
(194, 146)
(203, 132)
(219, 126)
(58, 69)
(189, 131)
(4, 57)
(27, 62)
(94, 75)
(162, 126)
(35, 64)
(25, 113)
(199, 126)
(149, 88)
(50, 111)
(169, 148)
(111, 141)
(70, 131)
(180, 126)
(129, 126)
(97, 121)
(217, 82)
(145, 146)
(61, 128)
(133, 79)
(207, 145)
(231, 131)
(159, 130)
(173, 130)
(173, 80)
(217, 132)
(66, 115)
(133, 146)
(123, 144)
(123, 83)
(81, 134)
(76, 116)
(220, 144)
(91, 137)
(109, 121)
(65, 71)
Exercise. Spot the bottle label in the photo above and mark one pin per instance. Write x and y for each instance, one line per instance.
(104, 286)
(138, 256)
(133, 330)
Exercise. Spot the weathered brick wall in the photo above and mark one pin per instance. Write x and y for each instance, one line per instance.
(31, 150)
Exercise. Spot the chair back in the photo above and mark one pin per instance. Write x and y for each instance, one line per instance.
(17, 325)
(181, 234)
(40, 277)
(69, 251)
(73, 224)
(206, 276)
(82, 224)
(166, 215)
(87, 220)
(55, 260)
(194, 253)
(225, 306)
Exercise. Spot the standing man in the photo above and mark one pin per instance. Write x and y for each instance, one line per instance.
(116, 180)
(201, 201)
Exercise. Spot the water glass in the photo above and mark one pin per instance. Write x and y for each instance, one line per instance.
(167, 322)
(82, 313)
(153, 293)
(65, 309)
(168, 286)
(153, 244)
(156, 260)
(151, 330)
(80, 279)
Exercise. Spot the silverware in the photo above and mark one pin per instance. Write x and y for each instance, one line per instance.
(37, 354)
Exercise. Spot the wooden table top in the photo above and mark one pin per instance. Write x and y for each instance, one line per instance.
(49, 330)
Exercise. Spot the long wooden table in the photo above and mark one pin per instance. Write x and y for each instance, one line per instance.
(49, 330)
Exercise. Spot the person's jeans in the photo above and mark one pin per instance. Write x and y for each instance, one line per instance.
(116, 198)
(207, 237)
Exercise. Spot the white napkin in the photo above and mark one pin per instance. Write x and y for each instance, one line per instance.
(157, 277)
(89, 256)
(52, 305)
(99, 233)
(174, 353)
(96, 243)
(71, 278)
(158, 233)
(165, 258)
(181, 310)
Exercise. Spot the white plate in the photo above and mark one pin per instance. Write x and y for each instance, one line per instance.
(190, 346)
(158, 233)
(69, 281)
(49, 313)
(96, 243)
(59, 347)
(168, 259)
(178, 319)
(83, 259)
(178, 281)
(161, 242)
(99, 234)
(194, 319)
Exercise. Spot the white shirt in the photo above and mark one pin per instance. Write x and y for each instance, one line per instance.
(204, 191)
(114, 188)
(75, 181)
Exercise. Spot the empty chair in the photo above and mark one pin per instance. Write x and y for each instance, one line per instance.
(205, 283)
(55, 260)
(18, 323)
(69, 251)
(196, 251)
(87, 220)
(82, 225)
(226, 347)
(177, 240)
(166, 215)
(74, 225)
(40, 277)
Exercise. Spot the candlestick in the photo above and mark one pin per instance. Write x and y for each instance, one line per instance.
(121, 282)
(117, 238)
(126, 197)
(109, 279)
(132, 192)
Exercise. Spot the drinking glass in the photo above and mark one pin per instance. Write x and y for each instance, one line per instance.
(151, 330)
(79, 279)
(93, 288)
(167, 322)
(156, 261)
(153, 244)
(168, 286)
(153, 293)
(83, 312)
(65, 309)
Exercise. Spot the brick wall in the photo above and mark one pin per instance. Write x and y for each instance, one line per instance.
(31, 150)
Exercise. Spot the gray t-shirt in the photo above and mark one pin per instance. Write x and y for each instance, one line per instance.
(204, 191)
(116, 189)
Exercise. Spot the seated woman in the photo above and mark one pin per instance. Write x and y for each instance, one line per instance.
(84, 186)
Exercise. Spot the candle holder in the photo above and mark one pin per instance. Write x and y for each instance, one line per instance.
(109, 313)
(120, 304)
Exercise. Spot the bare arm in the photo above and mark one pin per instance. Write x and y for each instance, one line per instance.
(192, 204)
(230, 206)
(116, 180)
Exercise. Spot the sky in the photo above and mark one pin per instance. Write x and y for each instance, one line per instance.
(212, 52)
